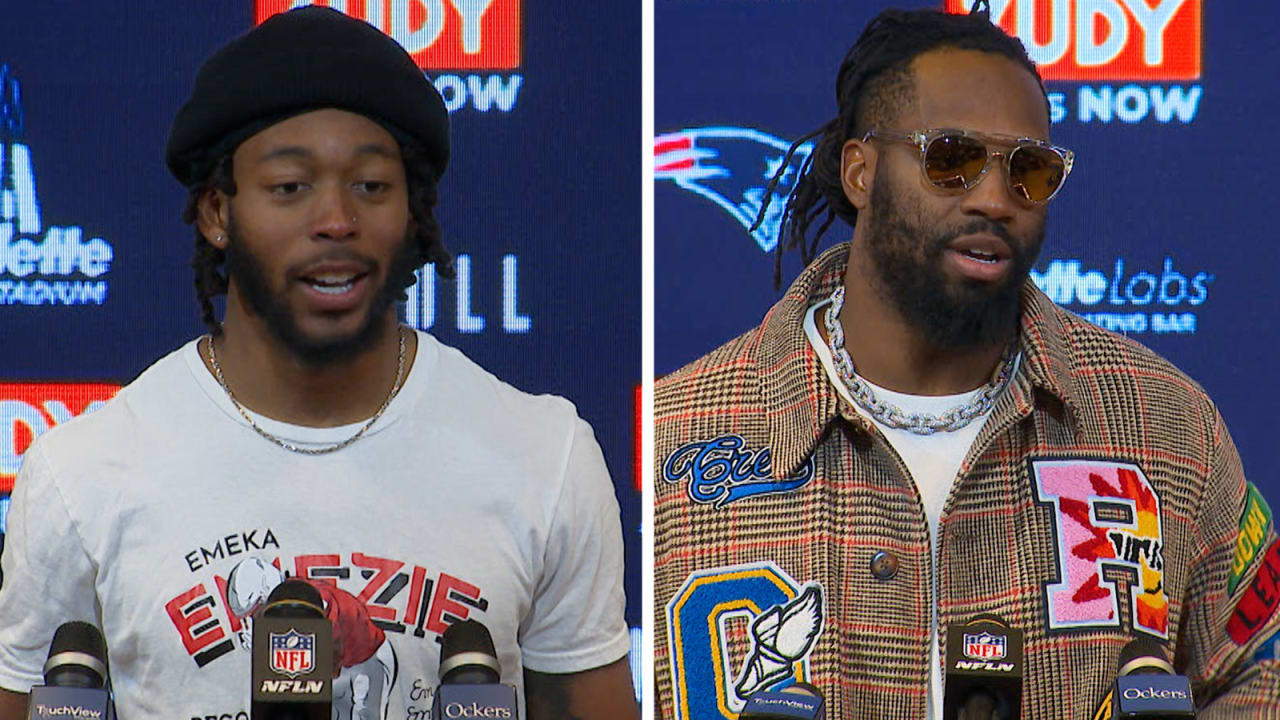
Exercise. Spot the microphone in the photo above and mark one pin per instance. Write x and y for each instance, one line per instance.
(1146, 687)
(75, 677)
(292, 666)
(983, 671)
(800, 701)
(469, 673)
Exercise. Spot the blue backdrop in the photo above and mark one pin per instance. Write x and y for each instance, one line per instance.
(1163, 231)
(541, 204)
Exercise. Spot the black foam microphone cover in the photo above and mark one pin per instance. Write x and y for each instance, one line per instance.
(1144, 656)
(469, 677)
(294, 598)
(77, 657)
(1148, 687)
(75, 676)
(467, 655)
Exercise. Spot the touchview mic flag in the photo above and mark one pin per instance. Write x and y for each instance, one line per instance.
(800, 701)
(983, 671)
(75, 677)
(292, 656)
(469, 673)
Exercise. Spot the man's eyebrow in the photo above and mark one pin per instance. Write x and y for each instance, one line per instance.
(288, 151)
(302, 153)
(378, 149)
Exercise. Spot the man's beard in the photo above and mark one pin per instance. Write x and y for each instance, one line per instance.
(907, 255)
(248, 273)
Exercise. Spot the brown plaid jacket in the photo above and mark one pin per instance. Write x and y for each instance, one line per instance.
(791, 542)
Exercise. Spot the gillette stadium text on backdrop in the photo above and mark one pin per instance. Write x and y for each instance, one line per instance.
(1164, 232)
(540, 204)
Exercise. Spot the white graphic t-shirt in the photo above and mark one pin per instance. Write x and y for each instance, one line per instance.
(164, 519)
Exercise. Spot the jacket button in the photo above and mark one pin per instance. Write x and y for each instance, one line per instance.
(884, 565)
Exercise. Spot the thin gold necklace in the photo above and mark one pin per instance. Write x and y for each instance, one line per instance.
(395, 389)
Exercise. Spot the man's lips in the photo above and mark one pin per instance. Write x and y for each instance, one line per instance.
(980, 256)
(334, 286)
(982, 247)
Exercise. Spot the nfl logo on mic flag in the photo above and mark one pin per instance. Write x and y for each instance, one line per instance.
(292, 660)
(984, 646)
(293, 653)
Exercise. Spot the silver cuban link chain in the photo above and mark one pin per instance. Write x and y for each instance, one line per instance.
(890, 414)
(395, 389)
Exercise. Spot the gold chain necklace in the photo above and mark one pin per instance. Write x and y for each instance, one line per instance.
(395, 389)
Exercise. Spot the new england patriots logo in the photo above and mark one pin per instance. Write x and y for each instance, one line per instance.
(731, 167)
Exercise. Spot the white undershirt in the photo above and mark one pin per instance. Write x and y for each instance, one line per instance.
(932, 460)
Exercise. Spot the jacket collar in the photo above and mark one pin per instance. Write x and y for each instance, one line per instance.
(800, 402)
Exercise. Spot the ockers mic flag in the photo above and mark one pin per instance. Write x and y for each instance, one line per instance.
(292, 656)
(469, 673)
(75, 677)
(1147, 687)
(984, 671)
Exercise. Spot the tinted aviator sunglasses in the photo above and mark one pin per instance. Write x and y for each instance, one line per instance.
(954, 161)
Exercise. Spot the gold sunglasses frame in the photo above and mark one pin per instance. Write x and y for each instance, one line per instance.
(922, 139)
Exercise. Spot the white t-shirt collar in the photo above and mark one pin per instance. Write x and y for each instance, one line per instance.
(921, 404)
(415, 382)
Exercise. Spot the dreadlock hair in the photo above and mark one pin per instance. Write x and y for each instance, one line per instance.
(420, 177)
(873, 85)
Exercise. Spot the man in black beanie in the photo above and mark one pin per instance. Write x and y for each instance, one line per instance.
(309, 435)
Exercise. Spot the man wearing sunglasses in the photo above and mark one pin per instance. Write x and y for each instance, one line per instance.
(916, 436)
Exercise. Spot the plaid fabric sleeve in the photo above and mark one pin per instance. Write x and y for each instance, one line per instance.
(1232, 625)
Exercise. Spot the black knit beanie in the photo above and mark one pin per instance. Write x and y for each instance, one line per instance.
(295, 62)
